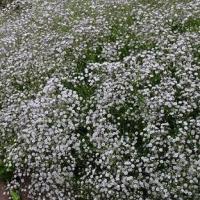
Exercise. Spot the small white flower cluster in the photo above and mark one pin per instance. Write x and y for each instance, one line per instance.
(100, 99)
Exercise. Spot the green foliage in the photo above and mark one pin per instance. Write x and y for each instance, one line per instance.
(4, 2)
(84, 90)
(190, 25)
(6, 173)
(15, 195)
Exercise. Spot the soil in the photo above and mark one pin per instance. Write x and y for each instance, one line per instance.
(2, 190)
(24, 196)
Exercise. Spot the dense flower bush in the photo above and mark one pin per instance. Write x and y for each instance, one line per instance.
(100, 99)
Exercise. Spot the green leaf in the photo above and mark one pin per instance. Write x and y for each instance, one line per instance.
(15, 195)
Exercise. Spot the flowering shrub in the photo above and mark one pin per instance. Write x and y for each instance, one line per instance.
(100, 99)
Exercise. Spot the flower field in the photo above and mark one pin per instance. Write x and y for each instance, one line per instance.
(100, 99)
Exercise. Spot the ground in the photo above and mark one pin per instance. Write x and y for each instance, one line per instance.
(5, 197)
(2, 190)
